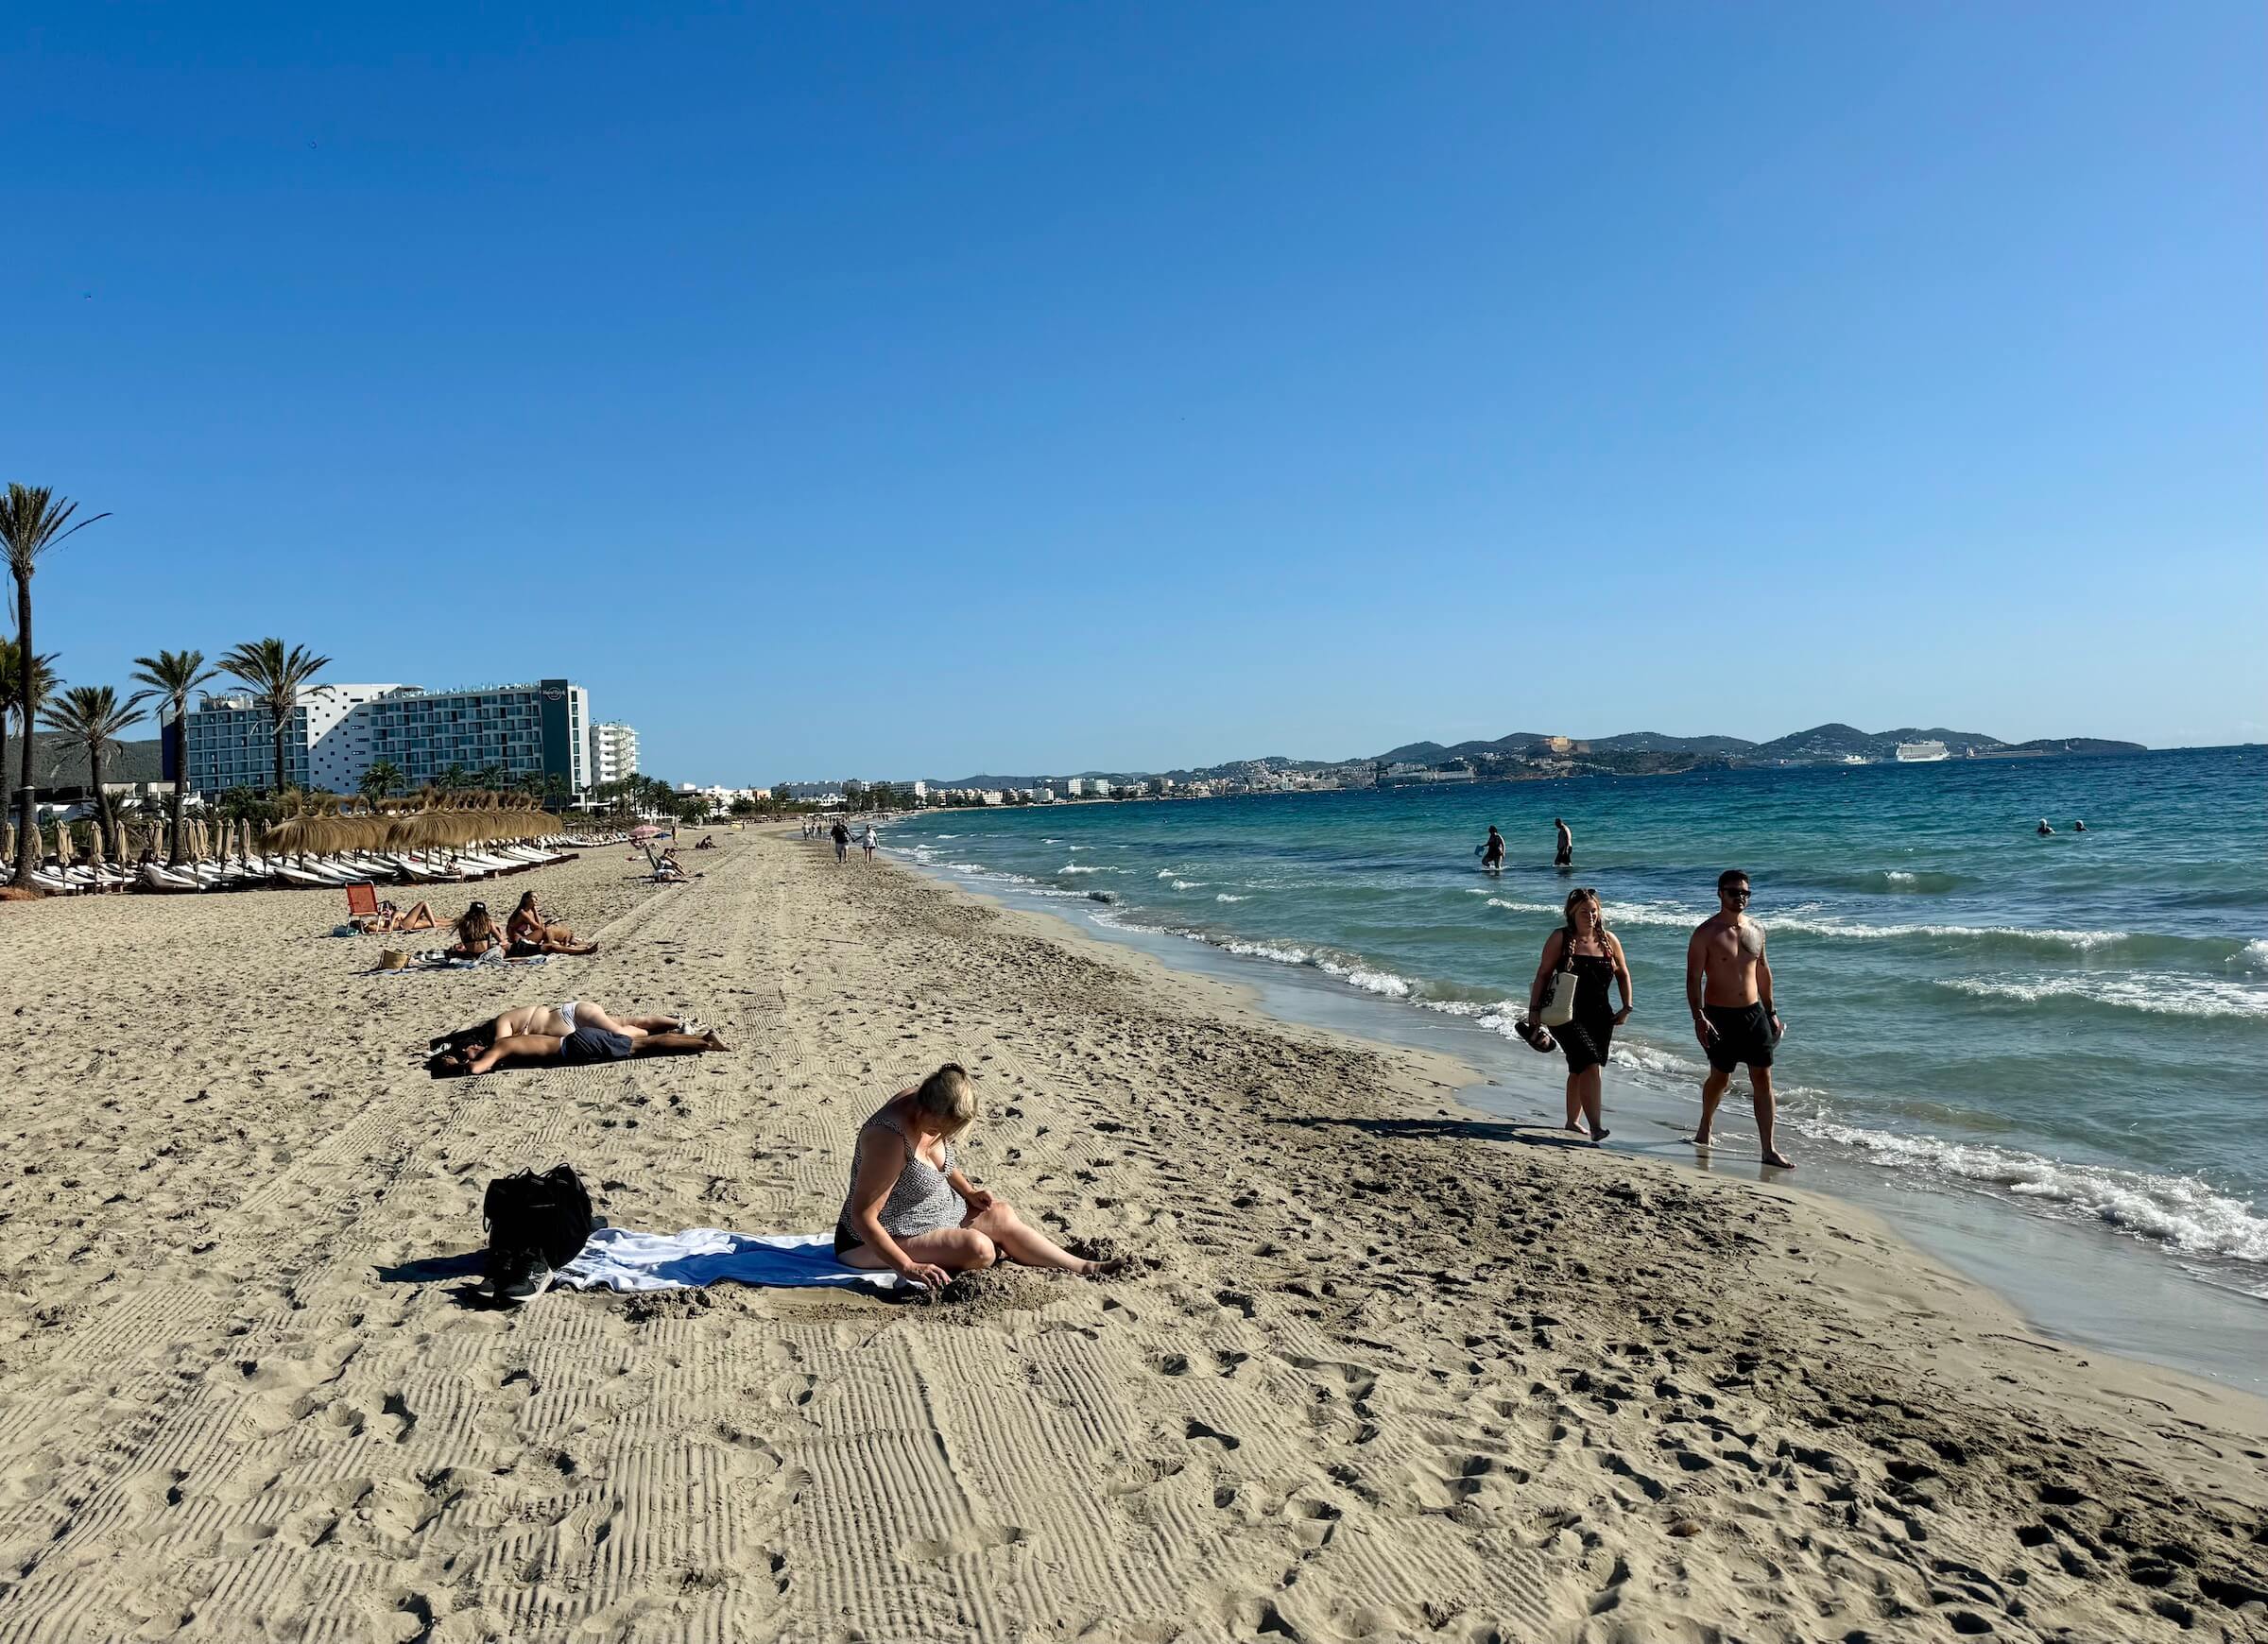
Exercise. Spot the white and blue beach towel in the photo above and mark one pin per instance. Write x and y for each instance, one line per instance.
(617, 1259)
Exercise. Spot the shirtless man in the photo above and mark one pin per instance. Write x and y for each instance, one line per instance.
(1564, 855)
(1728, 987)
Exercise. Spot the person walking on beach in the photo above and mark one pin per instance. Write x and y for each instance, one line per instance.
(841, 835)
(1728, 988)
(1586, 946)
(1492, 852)
(867, 841)
(1564, 856)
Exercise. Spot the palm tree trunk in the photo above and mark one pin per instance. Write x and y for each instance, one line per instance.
(180, 784)
(26, 850)
(279, 719)
(102, 800)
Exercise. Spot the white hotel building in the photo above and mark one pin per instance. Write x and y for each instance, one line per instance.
(614, 752)
(338, 731)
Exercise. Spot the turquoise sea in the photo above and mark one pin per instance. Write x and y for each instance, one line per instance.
(2053, 1045)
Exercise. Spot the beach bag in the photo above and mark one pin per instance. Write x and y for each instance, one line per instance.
(548, 1213)
(1559, 1004)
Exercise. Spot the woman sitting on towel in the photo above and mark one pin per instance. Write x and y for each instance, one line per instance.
(910, 1208)
(528, 933)
(476, 933)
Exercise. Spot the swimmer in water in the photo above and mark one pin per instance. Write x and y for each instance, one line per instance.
(1492, 850)
(2078, 828)
(2043, 829)
(1565, 855)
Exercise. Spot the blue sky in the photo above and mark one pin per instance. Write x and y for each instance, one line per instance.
(904, 389)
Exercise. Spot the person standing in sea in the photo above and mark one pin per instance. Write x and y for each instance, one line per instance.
(1585, 945)
(1728, 987)
(1565, 855)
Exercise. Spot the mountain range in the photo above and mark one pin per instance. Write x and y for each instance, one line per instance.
(1830, 742)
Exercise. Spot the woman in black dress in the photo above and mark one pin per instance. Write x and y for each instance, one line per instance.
(1585, 945)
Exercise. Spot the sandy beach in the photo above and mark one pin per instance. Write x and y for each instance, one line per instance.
(1385, 1369)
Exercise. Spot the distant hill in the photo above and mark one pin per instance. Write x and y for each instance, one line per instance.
(2078, 745)
(1833, 741)
(1629, 751)
(1653, 742)
(58, 762)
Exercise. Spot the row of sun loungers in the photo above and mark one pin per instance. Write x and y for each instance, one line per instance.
(313, 872)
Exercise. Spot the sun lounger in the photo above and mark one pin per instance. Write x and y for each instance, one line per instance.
(154, 878)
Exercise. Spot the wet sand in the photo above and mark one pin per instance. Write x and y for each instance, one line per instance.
(1388, 1368)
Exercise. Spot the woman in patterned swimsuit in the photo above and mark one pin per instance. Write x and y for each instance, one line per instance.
(910, 1208)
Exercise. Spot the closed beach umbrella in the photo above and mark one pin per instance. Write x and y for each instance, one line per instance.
(94, 847)
(62, 842)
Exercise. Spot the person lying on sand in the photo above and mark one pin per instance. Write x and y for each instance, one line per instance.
(529, 933)
(911, 1210)
(577, 1032)
(388, 917)
(476, 933)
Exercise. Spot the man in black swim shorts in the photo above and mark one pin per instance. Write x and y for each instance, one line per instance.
(588, 1043)
(1728, 987)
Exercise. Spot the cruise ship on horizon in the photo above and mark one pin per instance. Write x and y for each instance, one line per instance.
(1921, 753)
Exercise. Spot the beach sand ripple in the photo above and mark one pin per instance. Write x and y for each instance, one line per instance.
(1382, 1368)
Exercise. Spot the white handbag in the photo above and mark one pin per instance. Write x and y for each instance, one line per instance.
(1559, 1004)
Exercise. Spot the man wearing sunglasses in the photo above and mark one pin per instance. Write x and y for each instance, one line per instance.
(1728, 987)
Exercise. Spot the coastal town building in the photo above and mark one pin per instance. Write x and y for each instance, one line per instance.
(339, 730)
(613, 752)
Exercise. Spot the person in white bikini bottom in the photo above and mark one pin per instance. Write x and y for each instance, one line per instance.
(543, 1032)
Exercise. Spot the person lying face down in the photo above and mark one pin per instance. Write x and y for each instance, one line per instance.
(577, 1032)
(912, 1212)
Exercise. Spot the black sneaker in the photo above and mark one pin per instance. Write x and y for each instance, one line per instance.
(518, 1276)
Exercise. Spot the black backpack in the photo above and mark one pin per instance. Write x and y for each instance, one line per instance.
(549, 1214)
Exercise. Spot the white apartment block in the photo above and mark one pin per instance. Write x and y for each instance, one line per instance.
(338, 731)
(613, 752)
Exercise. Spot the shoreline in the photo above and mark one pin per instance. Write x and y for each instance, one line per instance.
(2050, 1275)
(2091, 1280)
(1385, 1368)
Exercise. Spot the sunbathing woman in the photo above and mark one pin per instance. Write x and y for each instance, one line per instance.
(910, 1208)
(476, 933)
(527, 932)
(575, 1033)
(388, 917)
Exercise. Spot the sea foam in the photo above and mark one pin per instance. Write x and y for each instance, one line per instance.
(2158, 992)
(2189, 1215)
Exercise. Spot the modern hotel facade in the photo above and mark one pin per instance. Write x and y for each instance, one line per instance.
(338, 731)
(614, 752)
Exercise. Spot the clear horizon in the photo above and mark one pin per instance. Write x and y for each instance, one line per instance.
(1010, 390)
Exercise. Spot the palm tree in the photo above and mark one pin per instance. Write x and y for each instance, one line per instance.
(91, 717)
(382, 779)
(275, 676)
(33, 521)
(11, 684)
(171, 675)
